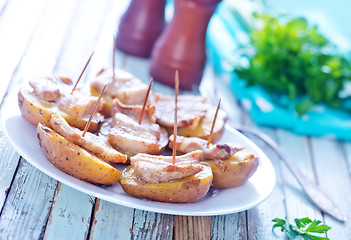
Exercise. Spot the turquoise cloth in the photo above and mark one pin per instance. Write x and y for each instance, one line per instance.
(222, 43)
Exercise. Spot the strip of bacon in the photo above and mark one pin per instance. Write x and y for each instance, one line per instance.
(191, 109)
(50, 88)
(127, 88)
(213, 151)
(130, 137)
(91, 142)
(157, 168)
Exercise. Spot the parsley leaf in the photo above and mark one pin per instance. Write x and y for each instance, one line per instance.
(289, 57)
(303, 227)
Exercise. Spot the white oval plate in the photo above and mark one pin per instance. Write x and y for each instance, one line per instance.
(22, 135)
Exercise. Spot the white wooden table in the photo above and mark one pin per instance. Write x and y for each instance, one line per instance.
(41, 37)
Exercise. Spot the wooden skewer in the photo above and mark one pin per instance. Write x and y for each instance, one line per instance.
(213, 124)
(93, 112)
(74, 88)
(113, 60)
(176, 86)
(145, 100)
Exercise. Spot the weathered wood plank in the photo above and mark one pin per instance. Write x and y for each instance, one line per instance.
(41, 59)
(288, 198)
(30, 214)
(45, 46)
(147, 225)
(347, 147)
(3, 6)
(150, 225)
(140, 67)
(259, 219)
(111, 221)
(28, 204)
(297, 203)
(192, 228)
(297, 149)
(16, 32)
(103, 50)
(88, 20)
(70, 214)
(231, 226)
(221, 90)
(8, 163)
(82, 38)
(333, 177)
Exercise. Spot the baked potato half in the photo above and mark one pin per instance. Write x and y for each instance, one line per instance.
(37, 111)
(203, 129)
(106, 101)
(74, 160)
(234, 171)
(188, 189)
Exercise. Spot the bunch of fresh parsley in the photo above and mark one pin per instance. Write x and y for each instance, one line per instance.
(288, 57)
(304, 228)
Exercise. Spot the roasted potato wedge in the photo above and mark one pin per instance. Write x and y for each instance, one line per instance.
(107, 103)
(234, 171)
(74, 160)
(203, 129)
(37, 111)
(188, 189)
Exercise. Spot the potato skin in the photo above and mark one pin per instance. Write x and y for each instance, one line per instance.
(74, 160)
(203, 129)
(233, 171)
(37, 111)
(189, 189)
(107, 103)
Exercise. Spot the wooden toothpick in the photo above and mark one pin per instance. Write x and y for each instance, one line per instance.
(213, 124)
(74, 88)
(93, 112)
(176, 86)
(113, 60)
(145, 100)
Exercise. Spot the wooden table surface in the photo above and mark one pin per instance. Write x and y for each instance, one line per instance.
(41, 37)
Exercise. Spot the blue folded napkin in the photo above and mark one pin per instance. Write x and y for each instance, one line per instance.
(222, 41)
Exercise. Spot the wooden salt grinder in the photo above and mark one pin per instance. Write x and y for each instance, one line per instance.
(182, 44)
(140, 26)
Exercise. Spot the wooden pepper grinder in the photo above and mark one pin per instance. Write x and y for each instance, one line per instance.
(181, 46)
(140, 26)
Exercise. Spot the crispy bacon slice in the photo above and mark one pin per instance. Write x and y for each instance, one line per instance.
(50, 88)
(213, 151)
(91, 142)
(156, 168)
(130, 137)
(79, 104)
(191, 109)
(126, 87)
(57, 89)
(134, 111)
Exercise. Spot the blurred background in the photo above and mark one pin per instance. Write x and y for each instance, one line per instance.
(285, 76)
(333, 17)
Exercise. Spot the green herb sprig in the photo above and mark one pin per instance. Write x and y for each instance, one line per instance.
(289, 57)
(304, 227)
